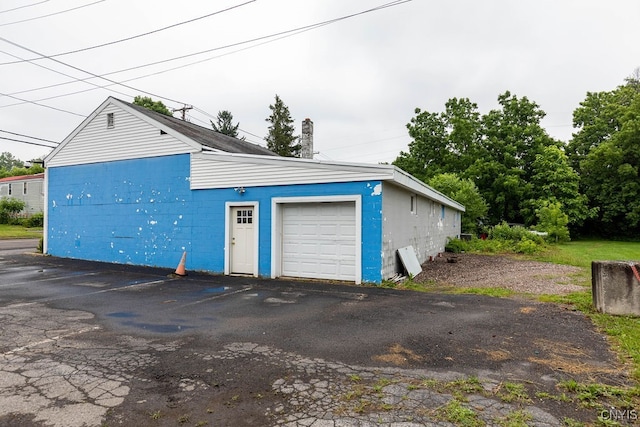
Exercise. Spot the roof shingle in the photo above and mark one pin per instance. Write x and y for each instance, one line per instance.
(204, 136)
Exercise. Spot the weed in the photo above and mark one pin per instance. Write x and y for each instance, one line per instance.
(606, 422)
(558, 398)
(456, 413)
(355, 378)
(517, 418)
(466, 385)
(201, 423)
(384, 407)
(492, 292)
(380, 384)
(570, 422)
(184, 419)
(597, 395)
(361, 406)
(430, 383)
(155, 415)
(513, 392)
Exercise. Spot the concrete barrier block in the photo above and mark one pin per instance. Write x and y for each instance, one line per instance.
(616, 287)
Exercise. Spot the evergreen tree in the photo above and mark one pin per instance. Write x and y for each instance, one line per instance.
(224, 124)
(280, 138)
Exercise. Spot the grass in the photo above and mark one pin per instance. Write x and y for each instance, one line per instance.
(624, 330)
(19, 232)
(582, 252)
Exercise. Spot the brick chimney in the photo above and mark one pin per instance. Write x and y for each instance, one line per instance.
(306, 141)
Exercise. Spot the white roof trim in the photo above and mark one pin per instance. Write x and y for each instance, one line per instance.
(388, 173)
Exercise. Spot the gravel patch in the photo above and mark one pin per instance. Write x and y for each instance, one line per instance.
(498, 271)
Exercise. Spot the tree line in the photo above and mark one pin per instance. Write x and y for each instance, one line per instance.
(505, 167)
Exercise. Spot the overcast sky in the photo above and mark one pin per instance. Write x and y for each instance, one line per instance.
(359, 79)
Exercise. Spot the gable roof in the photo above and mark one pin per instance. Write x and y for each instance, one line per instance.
(201, 135)
(189, 138)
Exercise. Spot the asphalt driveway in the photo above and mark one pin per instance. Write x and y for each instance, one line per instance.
(86, 343)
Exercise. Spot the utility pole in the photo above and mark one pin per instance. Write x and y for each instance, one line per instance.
(183, 109)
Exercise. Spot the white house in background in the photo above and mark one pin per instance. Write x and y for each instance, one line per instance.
(133, 186)
(27, 188)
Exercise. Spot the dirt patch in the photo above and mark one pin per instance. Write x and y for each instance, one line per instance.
(398, 355)
(497, 271)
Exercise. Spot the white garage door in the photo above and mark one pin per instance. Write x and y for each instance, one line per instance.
(319, 240)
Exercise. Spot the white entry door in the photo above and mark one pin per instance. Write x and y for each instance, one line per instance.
(242, 240)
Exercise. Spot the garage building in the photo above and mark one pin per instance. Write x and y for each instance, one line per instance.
(133, 186)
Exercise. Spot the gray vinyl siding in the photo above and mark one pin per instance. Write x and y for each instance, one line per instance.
(424, 227)
(129, 138)
(34, 199)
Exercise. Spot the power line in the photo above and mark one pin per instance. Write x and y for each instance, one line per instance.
(63, 74)
(23, 7)
(27, 136)
(277, 36)
(87, 72)
(26, 101)
(274, 36)
(51, 14)
(25, 142)
(132, 37)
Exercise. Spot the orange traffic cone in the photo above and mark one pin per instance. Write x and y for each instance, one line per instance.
(180, 271)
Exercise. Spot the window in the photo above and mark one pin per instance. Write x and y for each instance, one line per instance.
(442, 211)
(10, 188)
(244, 216)
(24, 188)
(414, 204)
(110, 120)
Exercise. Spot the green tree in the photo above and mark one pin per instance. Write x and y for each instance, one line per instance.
(157, 106)
(513, 137)
(608, 156)
(224, 124)
(442, 142)
(506, 153)
(8, 161)
(554, 221)
(465, 192)
(553, 180)
(280, 138)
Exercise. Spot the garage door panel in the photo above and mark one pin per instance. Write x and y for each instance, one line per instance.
(318, 240)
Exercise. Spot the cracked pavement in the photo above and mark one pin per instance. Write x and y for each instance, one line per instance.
(90, 344)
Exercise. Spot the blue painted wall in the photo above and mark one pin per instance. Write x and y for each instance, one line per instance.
(142, 212)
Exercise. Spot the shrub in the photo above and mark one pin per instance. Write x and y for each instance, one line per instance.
(9, 207)
(514, 233)
(502, 238)
(35, 220)
(526, 246)
(456, 246)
